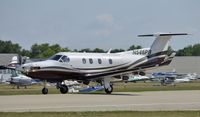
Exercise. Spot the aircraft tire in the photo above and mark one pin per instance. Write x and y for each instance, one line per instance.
(64, 89)
(109, 92)
(44, 91)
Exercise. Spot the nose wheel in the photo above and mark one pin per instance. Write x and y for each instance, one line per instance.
(45, 91)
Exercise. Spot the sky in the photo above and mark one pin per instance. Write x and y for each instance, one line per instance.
(105, 24)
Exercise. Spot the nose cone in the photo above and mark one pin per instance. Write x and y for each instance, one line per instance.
(35, 66)
(29, 67)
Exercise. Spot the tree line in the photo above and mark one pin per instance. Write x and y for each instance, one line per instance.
(45, 50)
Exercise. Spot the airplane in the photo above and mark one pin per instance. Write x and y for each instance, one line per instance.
(21, 80)
(172, 77)
(135, 78)
(102, 67)
(11, 76)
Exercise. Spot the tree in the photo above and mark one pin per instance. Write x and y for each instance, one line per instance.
(97, 50)
(45, 50)
(25, 53)
(85, 50)
(117, 50)
(196, 50)
(9, 47)
(133, 47)
(191, 50)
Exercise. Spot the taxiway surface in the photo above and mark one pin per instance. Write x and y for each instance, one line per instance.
(139, 101)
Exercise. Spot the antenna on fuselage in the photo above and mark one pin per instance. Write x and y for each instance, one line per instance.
(109, 51)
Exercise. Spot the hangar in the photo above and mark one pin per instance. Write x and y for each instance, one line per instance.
(5, 59)
(189, 64)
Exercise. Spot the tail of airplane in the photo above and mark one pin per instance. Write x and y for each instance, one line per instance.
(161, 42)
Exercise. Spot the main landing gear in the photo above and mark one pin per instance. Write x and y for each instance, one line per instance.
(107, 85)
(63, 88)
(109, 91)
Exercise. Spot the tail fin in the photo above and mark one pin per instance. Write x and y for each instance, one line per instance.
(161, 42)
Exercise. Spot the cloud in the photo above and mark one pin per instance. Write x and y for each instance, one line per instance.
(105, 24)
(107, 18)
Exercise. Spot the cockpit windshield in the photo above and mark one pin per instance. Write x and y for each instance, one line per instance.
(55, 57)
(60, 58)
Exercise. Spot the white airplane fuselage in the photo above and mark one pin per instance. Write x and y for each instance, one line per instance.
(85, 63)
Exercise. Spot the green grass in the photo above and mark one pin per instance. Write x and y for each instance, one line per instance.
(150, 86)
(35, 89)
(118, 87)
(104, 114)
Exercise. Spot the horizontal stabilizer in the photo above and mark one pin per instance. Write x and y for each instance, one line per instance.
(163, 34)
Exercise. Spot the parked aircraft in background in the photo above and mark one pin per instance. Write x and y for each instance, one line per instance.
(172, 77)
(14, 77)
(135, 78)
(9, 75)
(22, 81)
(100, 66)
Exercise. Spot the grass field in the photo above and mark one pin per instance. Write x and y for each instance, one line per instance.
(118, 87)
(105, 114)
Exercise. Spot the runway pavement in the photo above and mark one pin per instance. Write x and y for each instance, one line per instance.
(140, 101)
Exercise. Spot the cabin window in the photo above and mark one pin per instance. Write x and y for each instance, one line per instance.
(99, 61)
(91, 61)
(110, 61)
(84, 61)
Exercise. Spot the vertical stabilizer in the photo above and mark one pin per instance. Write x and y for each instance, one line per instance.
(161, 42)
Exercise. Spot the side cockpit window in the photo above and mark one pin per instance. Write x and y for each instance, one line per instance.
(65, 59)
(60, 58)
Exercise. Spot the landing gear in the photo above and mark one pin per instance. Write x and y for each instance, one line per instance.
(45, 90)
(64, 89)
(107, 85)
(109, 91)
